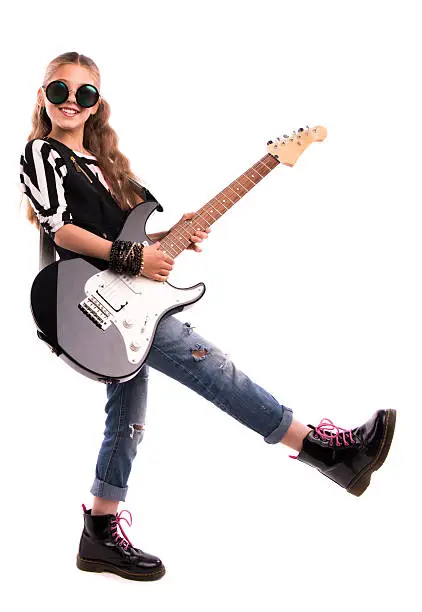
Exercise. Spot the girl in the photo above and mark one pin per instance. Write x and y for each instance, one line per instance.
(84, 219)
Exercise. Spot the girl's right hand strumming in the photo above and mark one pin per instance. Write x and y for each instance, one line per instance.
(157, 264)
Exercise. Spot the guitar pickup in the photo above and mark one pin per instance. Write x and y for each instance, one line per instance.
(111, 297)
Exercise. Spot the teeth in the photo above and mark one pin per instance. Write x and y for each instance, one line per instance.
(68, 112)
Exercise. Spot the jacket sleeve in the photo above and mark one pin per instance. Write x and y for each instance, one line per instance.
(42, 171)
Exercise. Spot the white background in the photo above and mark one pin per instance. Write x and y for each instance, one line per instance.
(313, 288)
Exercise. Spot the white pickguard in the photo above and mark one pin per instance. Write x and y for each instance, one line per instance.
(133, 305)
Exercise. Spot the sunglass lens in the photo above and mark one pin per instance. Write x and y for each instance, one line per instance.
(87, 95)
(57, 92)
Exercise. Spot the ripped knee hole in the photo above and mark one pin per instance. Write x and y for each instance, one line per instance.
(135, 427)
(199, 353)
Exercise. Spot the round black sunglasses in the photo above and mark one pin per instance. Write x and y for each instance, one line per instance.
(57, 92)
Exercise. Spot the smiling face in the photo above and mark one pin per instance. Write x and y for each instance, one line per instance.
(74, 76)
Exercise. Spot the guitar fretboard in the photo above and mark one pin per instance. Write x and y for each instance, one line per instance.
(177, 240)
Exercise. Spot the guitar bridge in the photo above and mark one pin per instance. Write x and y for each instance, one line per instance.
(96, 312)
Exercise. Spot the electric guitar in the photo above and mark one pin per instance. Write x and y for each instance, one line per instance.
(102, 323)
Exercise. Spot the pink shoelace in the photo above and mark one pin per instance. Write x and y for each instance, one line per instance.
(124, 540)
(327, 430)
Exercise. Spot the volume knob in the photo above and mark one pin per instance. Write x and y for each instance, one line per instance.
(134, 345)
(128, 323)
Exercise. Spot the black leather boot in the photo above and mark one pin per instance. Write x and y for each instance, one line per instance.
(103, 549)
(349, 456)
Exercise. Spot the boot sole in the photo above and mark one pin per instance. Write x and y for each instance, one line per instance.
(361, 481)
(87, 565)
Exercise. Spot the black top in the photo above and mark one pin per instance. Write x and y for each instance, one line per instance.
(60, 193)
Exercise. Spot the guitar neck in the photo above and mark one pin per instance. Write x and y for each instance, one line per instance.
(177, 240)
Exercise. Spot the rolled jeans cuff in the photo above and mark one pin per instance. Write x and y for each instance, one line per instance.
(278, 433)
(108, 491)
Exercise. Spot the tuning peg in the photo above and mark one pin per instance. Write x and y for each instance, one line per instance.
(285, 135)
(269, 142)
(300, 130)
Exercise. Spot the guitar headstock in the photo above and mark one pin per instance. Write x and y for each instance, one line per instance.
(288, 149)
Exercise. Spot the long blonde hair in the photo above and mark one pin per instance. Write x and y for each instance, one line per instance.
(99, 138)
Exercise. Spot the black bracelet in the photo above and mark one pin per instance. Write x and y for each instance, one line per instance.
(126, 256)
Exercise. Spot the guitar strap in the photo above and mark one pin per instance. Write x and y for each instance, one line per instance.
(47, 251)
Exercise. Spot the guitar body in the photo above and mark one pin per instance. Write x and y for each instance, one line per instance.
(102, 323)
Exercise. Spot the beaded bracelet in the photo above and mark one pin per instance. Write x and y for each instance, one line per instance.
(118, 250)
(141, 257)
(127, 256)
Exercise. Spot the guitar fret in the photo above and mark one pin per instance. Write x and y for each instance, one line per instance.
(234, 192)
(176, 235)
(212, 205)
(209, 213)
(264, 164)
(225, 195)
(261, 176)
(243, 187)
(206, 224)
(168, 248)
(253, 182)
(225, 207)
(180, 228)
(246, 183)
(182, 240)
(198, 225)
(262, 171)
(177, 238)
(208, 218)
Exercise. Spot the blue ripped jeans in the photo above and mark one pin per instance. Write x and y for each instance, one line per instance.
(181, 353)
